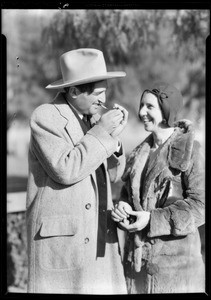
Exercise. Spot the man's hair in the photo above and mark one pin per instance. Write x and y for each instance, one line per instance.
(83, 88)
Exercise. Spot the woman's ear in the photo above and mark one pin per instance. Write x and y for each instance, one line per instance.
(73, 92)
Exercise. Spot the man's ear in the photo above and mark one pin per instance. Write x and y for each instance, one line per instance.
(74, 92)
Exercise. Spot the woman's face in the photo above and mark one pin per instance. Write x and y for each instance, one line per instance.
(150, 112)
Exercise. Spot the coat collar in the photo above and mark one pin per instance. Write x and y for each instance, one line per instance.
(72, 124)
(181, 147)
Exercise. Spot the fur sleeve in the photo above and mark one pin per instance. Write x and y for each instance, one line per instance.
(184, 215)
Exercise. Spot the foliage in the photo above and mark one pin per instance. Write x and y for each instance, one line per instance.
(24, 88)
(151, 44)
(16, 250)
(120, 33)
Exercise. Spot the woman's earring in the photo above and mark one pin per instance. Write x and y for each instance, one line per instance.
(164, 121)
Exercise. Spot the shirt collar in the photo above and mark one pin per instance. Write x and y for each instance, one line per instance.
(79, 114)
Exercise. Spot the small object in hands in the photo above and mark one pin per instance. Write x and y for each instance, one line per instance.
(132, 219)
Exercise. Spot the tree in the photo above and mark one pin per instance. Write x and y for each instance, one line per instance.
(149, 44)
(168, 44)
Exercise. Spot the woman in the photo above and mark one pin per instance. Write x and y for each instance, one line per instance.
(162, 201)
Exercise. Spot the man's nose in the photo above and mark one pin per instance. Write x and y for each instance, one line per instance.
(102, 97)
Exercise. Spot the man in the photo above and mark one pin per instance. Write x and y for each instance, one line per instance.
(72, 240)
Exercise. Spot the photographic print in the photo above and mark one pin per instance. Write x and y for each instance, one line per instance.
(115, 206)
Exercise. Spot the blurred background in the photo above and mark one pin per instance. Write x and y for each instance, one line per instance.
(149, 45)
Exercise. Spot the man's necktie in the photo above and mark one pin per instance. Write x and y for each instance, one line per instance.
(86, 120)
(102, 191)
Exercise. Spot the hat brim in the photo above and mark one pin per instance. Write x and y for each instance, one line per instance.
(60, 83)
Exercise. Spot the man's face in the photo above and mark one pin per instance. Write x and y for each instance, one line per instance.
(90, 103)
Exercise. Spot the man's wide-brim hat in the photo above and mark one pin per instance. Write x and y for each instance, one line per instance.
(83, 66)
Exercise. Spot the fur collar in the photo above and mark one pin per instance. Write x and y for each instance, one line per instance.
(180, 149)
(175, 152)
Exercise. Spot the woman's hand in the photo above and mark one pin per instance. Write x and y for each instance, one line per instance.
(121, 211)
(142, 220)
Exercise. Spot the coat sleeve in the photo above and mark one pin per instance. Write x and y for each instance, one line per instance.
(116, 166)
(63, 161)
(184, 215)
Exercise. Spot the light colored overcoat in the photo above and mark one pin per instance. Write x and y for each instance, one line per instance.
(166, 256)
(62, 205)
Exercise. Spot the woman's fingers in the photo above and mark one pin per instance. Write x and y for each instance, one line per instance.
(117, 216)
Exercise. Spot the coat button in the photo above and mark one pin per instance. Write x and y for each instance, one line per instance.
(86, 240)
(88, 205)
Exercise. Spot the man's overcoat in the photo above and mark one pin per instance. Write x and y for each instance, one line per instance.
(62, 205)
(166, 256)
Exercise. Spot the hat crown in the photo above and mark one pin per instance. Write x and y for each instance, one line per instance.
(82, 63)
(82, 66)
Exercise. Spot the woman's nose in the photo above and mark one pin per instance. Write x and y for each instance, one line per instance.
(142, 112)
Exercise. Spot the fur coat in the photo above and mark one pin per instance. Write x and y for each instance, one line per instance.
(166, 257)
(62, 205)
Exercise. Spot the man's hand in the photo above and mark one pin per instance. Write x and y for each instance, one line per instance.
(111, 120)
(116, 131)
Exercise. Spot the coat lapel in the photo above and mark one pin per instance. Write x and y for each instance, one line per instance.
(135, 167)
(73, 125)
(158, 164)
(141, 177)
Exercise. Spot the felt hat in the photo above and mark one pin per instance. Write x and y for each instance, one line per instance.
(170, 100)
(82, 66)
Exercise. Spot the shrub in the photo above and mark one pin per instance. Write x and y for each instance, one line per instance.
(16, 251)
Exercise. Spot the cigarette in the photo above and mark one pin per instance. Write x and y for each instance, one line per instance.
(103, 106)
